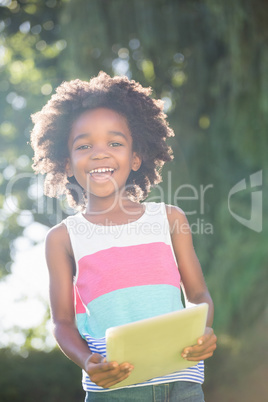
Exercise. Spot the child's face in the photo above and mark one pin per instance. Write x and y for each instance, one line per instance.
(101, 156)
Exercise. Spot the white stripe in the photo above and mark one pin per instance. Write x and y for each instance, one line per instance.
(81, 231)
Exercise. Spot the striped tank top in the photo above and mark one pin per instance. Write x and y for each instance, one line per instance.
(125, 273)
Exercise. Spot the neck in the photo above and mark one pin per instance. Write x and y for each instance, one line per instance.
(109, 213)
(104, 205)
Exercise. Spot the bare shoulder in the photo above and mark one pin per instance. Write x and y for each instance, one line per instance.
(58, 239)
(58, 234)
(178, 222)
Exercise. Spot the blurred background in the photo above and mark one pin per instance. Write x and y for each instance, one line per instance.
(208, 61)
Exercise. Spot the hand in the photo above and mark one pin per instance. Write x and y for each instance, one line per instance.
(204, 348)
(106, 374)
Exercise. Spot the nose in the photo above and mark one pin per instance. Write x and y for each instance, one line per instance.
(99, 152)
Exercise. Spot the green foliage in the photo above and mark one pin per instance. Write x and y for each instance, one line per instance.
(238, 281)
(31, 45)
(39, 377)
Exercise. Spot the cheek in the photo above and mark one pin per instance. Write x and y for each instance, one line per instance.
(78, 159)
(77, 168)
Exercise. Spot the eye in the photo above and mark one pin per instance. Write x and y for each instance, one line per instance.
(115, 144)
(82, 147)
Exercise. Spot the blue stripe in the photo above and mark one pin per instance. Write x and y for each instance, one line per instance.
(127, 305)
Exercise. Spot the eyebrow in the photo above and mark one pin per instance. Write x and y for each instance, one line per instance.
(84, 135)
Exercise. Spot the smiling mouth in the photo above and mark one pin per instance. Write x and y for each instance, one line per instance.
(101, 170)
(101, 173)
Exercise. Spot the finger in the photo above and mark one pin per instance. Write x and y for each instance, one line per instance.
(111, 382)
(112, 378)
(198, 358)
(123, 367)
(102, 371)
(196, 350)
(203, 343)
(101, 378)
(199, 348)
(199, 354)
(116, 374)
(124, 371)
(126, 366)
(107, 366)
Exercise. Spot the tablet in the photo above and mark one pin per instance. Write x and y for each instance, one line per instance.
(154, 345)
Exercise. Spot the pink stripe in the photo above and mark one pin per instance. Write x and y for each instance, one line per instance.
(123, 267)
(79, 307)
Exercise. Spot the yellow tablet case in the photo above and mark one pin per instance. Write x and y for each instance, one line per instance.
(154, 345)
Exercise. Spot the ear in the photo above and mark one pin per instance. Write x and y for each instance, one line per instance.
(136, 162)
(68, 168)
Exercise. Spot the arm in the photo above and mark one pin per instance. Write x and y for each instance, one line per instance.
(193, 281)
(61, 267)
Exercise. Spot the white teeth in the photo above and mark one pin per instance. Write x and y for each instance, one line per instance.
(101, 170)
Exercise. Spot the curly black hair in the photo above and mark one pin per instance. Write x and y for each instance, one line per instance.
(146, 121)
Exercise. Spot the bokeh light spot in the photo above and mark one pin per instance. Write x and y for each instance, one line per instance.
(36, 29)
(120, 67)
(123, 53)
(25, 27)
(41, 45)
(134, 44)
(148, 69)
(61, 44)
(22, 161)
(9, 172)
(46, 89)
(204, 122)
(178, 78)
(30, 8)
(48, 25)
(19, 103)
(167, 103)
(5, 3)
(7, 129)
(178, 58)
